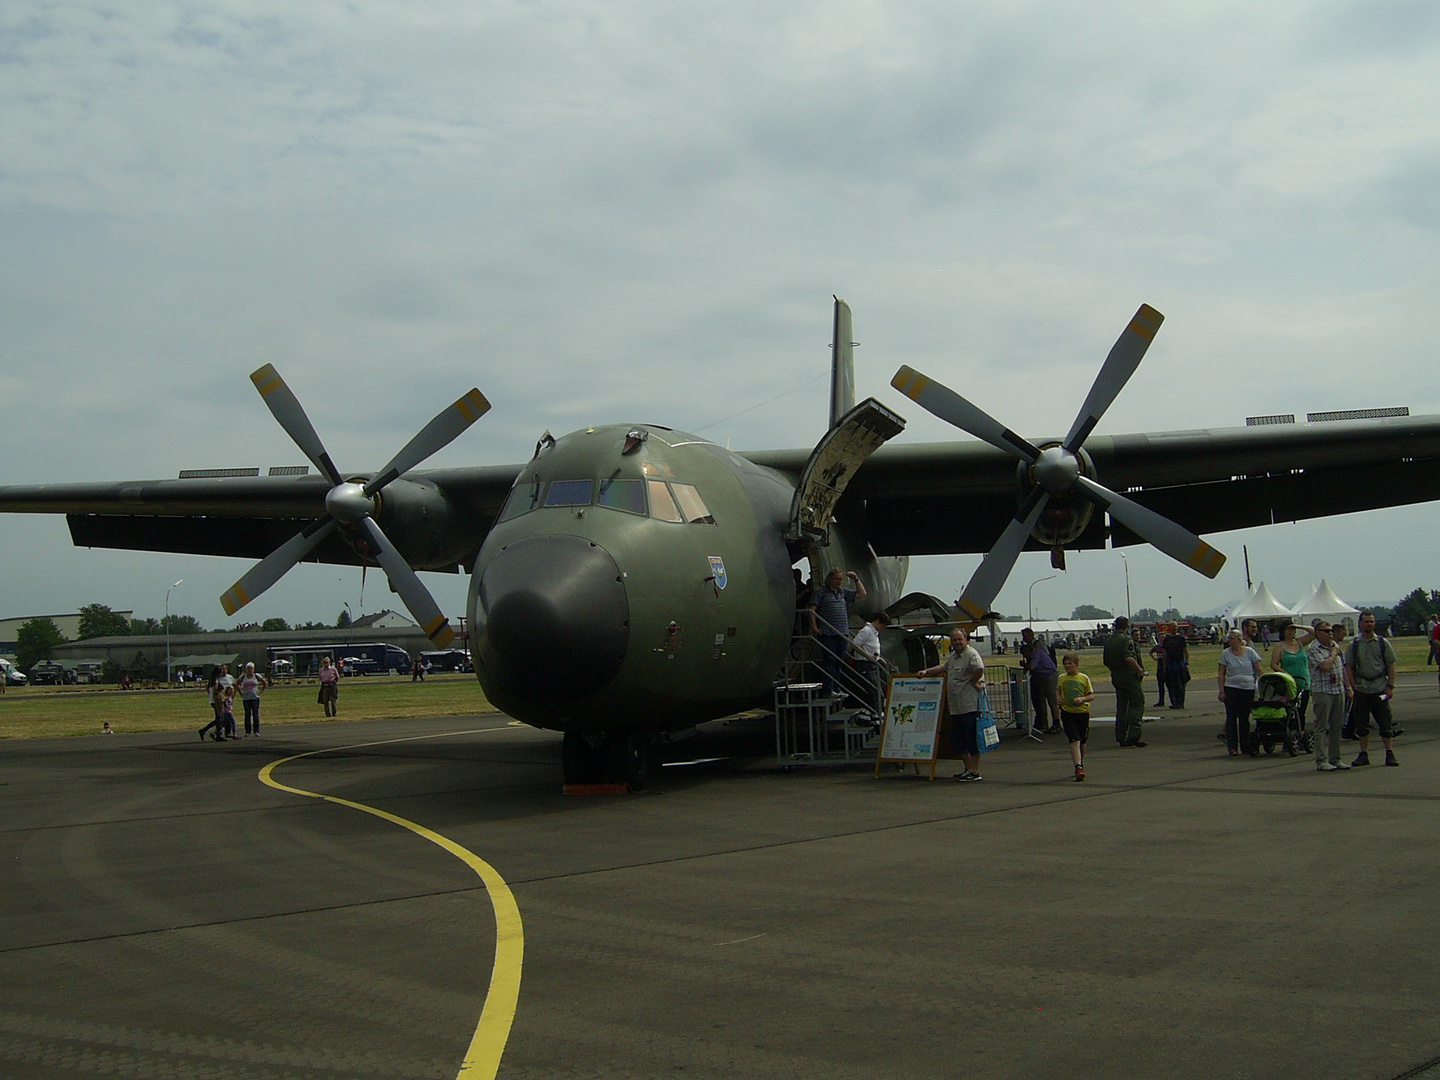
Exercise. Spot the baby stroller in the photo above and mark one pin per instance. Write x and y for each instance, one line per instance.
(1276, 714)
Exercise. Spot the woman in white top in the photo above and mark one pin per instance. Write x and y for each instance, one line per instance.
(251, 685)
(1237, 675)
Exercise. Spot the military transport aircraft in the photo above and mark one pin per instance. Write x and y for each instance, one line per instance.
(630, 581)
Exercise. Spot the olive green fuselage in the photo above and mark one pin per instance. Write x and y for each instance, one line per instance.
(699, 616)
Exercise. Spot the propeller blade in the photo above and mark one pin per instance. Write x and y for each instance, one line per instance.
(275, 565)
(1174, 540)
(1124, 358)
(951, 407)
(989, 577)
(285, 407)
(434, 436)
(406, 582)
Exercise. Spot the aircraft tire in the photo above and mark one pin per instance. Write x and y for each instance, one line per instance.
(578, 762)
(631, 758)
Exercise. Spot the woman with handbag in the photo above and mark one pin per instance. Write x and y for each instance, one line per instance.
(329, 686)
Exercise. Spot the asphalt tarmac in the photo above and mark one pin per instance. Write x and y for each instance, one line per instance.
(1178, 914)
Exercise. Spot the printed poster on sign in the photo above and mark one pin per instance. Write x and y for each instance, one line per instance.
(912, 719)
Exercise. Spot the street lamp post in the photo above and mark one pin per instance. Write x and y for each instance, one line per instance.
(1030, 605)
(168, 679)
(1127, 583)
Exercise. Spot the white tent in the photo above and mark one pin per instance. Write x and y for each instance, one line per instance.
(1322, 603)
(1260, 604)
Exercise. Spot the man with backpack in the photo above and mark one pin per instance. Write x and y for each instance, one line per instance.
(1370, 675)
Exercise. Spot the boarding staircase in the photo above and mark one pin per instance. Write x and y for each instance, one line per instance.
(814, 726)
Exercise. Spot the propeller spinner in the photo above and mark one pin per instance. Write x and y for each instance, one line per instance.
(351, 506)
(1058, 471)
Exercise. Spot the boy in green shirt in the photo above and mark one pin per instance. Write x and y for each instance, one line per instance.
(1076, 693)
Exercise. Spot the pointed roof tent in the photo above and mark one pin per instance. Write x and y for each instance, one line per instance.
(1303, 605)
(1261, 604)
(1324, 602)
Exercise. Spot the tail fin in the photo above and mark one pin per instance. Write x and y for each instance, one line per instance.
(842, 364)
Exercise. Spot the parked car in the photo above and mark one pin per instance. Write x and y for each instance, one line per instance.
(89, 671)
(50, 673)
(448, 660)
(13, 675)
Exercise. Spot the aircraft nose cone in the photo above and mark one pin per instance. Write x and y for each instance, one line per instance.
(553, 621)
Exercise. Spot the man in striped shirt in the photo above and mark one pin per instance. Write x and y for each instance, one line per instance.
(1327, 696)
(830, 621)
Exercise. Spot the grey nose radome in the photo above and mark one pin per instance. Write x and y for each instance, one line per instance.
(552, 619)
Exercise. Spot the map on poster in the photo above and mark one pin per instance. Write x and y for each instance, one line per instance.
(912, 719)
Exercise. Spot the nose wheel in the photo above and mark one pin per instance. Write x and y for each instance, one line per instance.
(626, 755)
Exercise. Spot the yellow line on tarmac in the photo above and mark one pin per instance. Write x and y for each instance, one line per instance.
(482, 1059)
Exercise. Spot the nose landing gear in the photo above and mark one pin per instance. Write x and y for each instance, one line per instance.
(625, 755)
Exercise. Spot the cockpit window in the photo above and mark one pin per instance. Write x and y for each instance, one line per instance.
(662, 506)
(692, 506)
(522, 499)
(569, 493)
(626, 495)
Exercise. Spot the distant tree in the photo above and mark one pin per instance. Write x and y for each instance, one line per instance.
(274, 625)
(1172, 615)
(97, 620)
(1410, 614)
(1090, 612)
(1147, 614)
(146, 626)
(343, 621)
(34, 640)
(181, 624)
(312, 626)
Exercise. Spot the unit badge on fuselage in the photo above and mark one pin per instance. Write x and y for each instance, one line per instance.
(717, 570)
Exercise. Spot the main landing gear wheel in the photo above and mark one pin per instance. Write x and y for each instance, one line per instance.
(580, 763)
(631, 757)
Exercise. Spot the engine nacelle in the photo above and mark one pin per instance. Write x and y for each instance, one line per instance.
(1068, 513)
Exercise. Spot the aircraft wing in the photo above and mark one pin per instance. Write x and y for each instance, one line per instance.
(955, 497)
(250, 516)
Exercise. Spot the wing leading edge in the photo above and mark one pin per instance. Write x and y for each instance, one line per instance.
(955, 497)
(248, 517)
(907, 499)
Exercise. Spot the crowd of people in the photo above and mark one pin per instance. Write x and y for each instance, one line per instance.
(1338, 690)
(223, 688)
(221, 692)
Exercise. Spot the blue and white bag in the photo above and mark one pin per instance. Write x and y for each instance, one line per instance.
(986, 733)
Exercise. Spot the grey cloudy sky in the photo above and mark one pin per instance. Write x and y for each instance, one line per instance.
(639, 211)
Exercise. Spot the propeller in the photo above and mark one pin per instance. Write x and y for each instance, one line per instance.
(1058, 470)
(351, 507)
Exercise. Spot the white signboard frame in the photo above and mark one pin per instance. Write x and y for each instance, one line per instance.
(912, 721)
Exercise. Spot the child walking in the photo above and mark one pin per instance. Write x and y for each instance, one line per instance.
(1076, 693)
(227, 716)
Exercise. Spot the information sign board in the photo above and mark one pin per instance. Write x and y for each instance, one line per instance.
(912, 720)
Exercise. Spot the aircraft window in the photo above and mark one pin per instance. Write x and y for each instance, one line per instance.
(691, 505)
(522, 499)
(657, 468)
(662, 505)
(627, 495)
(569, 493)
